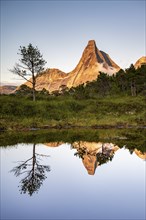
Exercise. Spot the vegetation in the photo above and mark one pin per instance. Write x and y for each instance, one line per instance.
(131, 82)
(32, 64)
(130, 138)
(23, 114)
(110, 101)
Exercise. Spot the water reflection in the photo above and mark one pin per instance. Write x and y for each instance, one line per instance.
(89, 167)
(32, 171)
(140, 154)
(94, 154)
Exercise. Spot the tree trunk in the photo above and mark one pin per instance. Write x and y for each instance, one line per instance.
(33, 161)
(33, 86)
(133, 88)
(33, 92)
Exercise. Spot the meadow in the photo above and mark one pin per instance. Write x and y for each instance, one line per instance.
(20, 113)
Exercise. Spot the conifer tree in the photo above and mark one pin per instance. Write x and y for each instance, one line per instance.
(31, 64)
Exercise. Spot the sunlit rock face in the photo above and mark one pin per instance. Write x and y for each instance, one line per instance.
(91, 63)
(140, 154)
(140, 62)
(50, 80)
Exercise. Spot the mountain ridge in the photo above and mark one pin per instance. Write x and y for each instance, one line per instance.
(90, 64)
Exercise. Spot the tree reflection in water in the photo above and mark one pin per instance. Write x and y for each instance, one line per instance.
(33, 171)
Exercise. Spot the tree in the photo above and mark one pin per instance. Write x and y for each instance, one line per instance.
(131, 75)
(103, 84)
(121, 80)
(32, 64)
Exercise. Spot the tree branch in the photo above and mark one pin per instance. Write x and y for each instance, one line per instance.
(26, 68)
(26, 79)
(20, 73)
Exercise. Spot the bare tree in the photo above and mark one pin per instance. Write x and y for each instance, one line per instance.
(31, 63)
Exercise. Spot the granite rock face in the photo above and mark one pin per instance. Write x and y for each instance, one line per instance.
(140, 62)
(91, 62)
(87, 70)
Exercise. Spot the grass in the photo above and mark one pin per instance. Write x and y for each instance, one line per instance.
(17, 113)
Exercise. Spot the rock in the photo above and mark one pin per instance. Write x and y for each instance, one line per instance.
(140, 62)
(91, 63)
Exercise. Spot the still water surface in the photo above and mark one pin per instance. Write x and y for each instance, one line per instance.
(85, 180)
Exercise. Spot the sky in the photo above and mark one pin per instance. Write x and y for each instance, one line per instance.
(62, 29)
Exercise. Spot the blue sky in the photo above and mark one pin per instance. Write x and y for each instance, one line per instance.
(62, 29)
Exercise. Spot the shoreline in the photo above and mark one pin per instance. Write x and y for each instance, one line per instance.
(64, 127)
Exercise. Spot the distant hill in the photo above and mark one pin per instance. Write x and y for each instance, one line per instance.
(7, 89)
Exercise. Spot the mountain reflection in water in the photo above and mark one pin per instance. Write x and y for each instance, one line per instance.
(73, 174)
(93, 155)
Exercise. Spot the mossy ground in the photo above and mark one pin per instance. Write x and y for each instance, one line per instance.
(18, 113)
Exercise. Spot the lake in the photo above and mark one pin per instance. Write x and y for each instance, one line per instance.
(90, 174)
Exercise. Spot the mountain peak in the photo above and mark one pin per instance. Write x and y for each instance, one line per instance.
(92, 62)
(93, 56)
(91, 43)
(89, 55)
